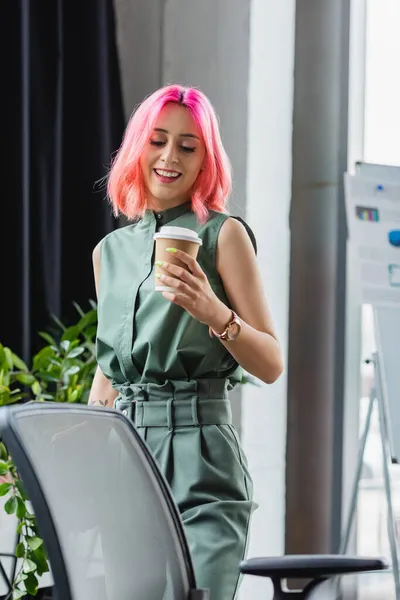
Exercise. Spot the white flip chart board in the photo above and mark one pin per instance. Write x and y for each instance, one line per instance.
(375, 189)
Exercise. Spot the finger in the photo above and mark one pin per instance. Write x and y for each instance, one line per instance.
(180, 286)
(178, 299)
(170, 296)
(179, 272)
(188, 260)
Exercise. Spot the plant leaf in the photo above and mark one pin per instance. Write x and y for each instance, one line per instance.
(56, 361)
(35, 542)
(20, 550)
(19, 363)
(20, 527)
(29, 566)
(25, 379)
(4, 468)
(48, 338)
(9, 356)
(21, 509)
(65, 345)
(20, 487)
(4, 377)
(249, 379)
(36, 388)
(45, 376)
(88, 319)
(41, 560)
(2, 354)
(11, 505)
(59, 323)
(46, 397)
(3, 452)
(13, 399)
(73, 397)
(90, 332)
(76, 352)
(78, 309)
(4, 395)
(41, 359)
(5, 488)
(17, 594)
(71, 333)
(72, 371)
(31, 584)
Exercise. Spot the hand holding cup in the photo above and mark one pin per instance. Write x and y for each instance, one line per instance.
(182, 281)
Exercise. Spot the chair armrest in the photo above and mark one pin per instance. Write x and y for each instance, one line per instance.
(310, 566)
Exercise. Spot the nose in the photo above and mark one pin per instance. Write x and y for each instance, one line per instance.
(169, 155)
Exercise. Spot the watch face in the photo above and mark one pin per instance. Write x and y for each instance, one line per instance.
(233, 331)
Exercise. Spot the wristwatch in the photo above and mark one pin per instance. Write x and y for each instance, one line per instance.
(231, 331)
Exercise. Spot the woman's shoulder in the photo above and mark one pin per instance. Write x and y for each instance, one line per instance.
(117, 235)
(231, 226)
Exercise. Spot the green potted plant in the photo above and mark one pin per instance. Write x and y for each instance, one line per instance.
(61, 371)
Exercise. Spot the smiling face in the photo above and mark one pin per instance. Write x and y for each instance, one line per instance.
(172, 158)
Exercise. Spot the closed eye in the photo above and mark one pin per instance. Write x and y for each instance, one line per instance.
(187, 149)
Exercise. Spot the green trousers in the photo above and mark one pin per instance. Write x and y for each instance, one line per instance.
(197, 449)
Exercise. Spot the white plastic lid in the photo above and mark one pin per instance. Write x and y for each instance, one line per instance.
(178, 233)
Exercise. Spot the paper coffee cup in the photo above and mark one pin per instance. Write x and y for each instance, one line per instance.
(180, 238)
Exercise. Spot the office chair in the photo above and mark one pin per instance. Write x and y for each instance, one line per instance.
(107, 517)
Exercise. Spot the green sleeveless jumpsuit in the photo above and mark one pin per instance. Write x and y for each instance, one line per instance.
(173, 382)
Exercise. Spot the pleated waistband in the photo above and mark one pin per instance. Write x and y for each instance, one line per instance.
(177, 413)
(175, 404)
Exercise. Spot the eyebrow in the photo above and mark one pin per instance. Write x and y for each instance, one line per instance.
(189, 135)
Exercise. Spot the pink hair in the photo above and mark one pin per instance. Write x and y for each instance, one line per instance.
(126, 188)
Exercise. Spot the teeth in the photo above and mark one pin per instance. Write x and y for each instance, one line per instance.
(167, 173)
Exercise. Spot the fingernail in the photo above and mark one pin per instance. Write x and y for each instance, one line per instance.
(158, 276)
(172, 250)
(159, 263)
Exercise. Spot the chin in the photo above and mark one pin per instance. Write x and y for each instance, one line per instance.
(165, 198)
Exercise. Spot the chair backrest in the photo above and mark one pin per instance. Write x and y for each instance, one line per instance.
(104, 511)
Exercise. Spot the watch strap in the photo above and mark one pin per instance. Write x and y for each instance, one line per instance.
(224, 335)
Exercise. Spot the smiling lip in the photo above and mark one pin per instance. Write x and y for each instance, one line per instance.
(166, 176)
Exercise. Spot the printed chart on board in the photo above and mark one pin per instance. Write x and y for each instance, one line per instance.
(373, 218)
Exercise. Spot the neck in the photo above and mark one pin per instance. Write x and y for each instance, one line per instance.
(157, 206)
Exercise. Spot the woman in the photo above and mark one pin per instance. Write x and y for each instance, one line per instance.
(189, 346)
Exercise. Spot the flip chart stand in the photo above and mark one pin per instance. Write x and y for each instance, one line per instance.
(376, 398)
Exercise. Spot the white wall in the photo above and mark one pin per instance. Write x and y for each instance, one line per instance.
(269, 165)
(382, 89)
(206, 44)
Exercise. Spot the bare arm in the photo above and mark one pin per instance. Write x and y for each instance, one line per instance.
(256, 349)
(102, 393)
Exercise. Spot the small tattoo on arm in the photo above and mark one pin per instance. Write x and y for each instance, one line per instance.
(98, 402)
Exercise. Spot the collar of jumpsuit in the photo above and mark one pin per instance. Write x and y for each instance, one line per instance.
(164, 217)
